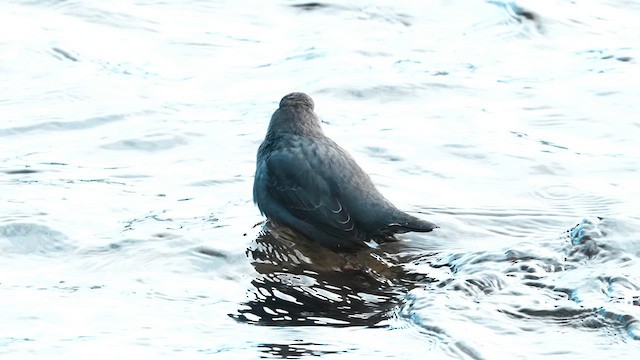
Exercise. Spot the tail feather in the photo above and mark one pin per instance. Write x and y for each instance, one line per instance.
(411, 223)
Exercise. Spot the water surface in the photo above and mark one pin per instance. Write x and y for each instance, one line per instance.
(127, 154)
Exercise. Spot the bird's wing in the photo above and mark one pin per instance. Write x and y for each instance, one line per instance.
(309, 195)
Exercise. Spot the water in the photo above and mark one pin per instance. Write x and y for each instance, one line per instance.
(127, 148)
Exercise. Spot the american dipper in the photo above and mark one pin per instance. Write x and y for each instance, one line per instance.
(308, 183)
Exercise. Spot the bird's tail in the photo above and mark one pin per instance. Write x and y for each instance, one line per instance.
(411, 223)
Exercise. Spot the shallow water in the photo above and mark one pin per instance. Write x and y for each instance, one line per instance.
(127, 151)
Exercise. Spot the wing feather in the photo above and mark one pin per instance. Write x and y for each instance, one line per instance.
(308, 195)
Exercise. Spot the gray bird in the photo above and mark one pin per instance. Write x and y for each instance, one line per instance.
(308, 183)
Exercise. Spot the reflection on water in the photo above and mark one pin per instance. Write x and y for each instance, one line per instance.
(303, 283)
(287, 351)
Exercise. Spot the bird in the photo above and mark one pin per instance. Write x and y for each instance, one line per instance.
(308, 183)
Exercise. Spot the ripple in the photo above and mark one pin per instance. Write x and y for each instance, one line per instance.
(387, 92)
(363, 13)
(297, 350)
(589, 282)
(381, 153)
(102, 16)
(22, 171)
(219, 182)
(470, 152)
(146, 145)
(311, 6)
(64, 55)
(557, 192)
(64, 125)
(547, 146)
(474, 284)
(512, 222)
(28, 238)
(425, 309)
(603, 240)
(567, 199)
(303, 283)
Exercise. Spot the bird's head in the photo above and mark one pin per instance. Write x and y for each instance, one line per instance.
(295, 116)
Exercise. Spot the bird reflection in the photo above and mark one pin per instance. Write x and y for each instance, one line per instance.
(303, 283)
(296, 350)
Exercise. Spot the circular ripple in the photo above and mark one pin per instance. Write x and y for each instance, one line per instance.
(569, 200)
(511, 223)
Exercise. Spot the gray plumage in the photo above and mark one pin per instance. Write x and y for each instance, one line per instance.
(306, 182)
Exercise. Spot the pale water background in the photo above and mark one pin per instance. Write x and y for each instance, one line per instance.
(128, 132)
